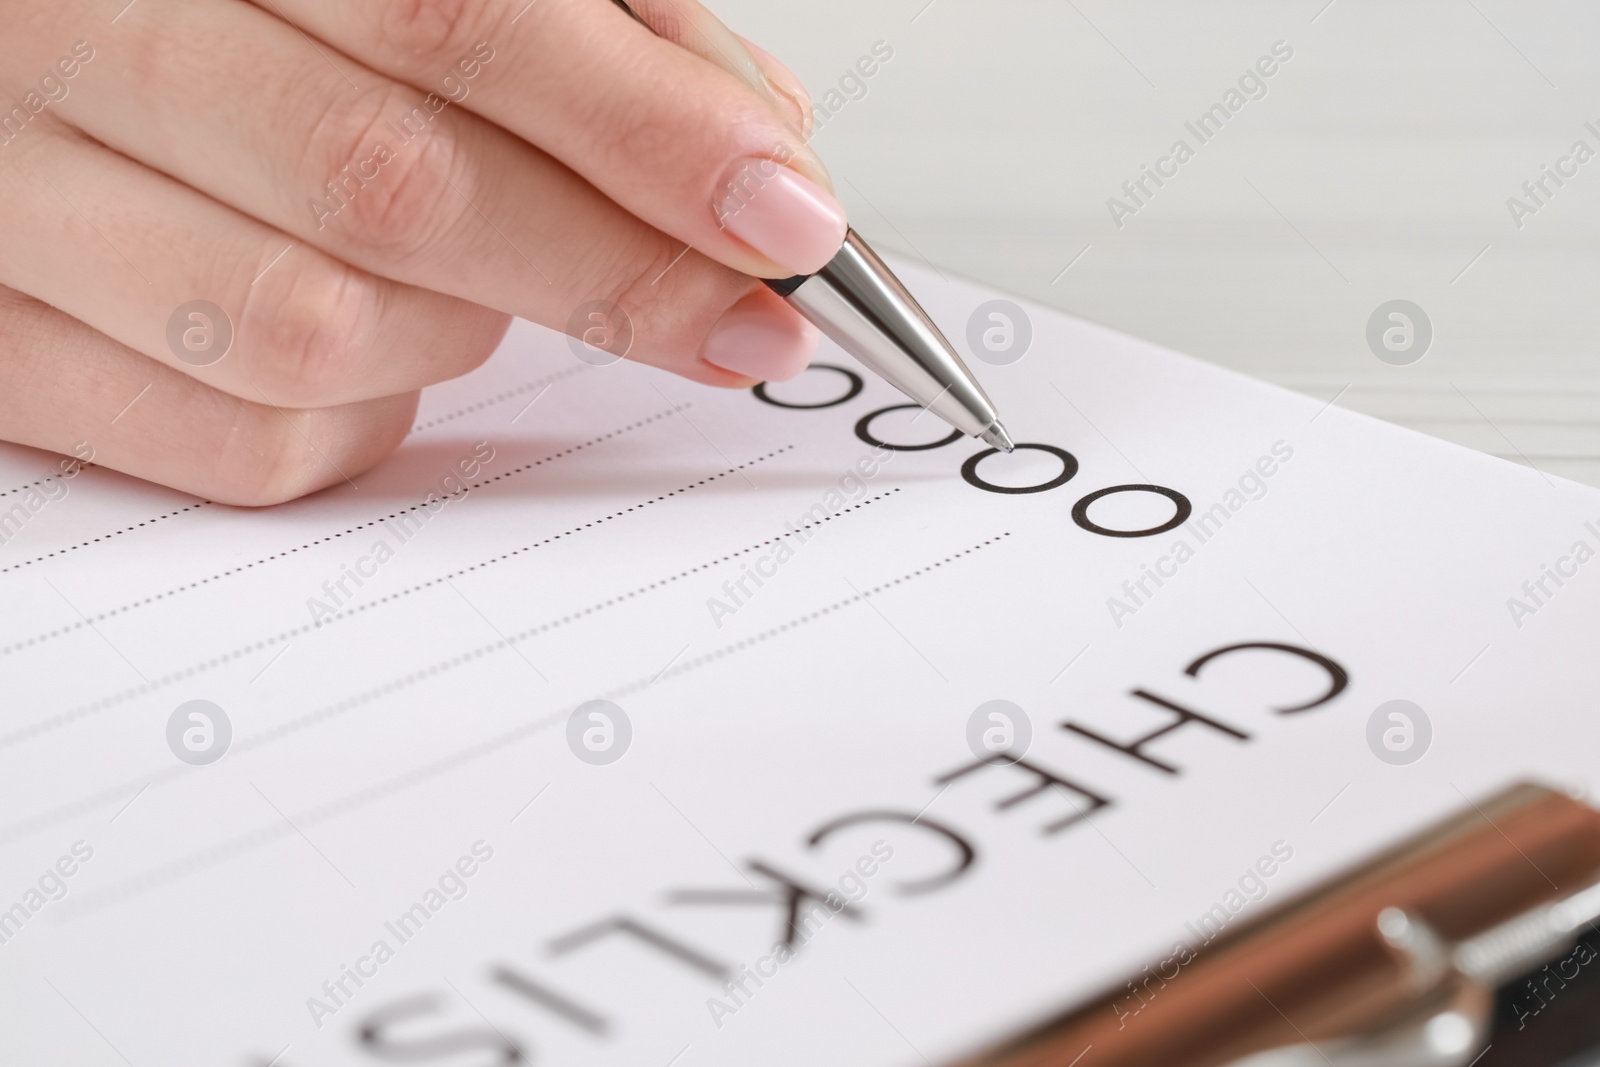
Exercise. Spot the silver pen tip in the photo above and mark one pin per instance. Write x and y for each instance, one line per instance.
(996, 435)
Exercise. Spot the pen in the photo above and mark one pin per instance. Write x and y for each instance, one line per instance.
(859, 303)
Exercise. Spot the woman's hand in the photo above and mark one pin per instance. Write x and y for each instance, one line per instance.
(362, 192)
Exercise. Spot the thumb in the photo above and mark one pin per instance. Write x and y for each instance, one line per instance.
(687, 24)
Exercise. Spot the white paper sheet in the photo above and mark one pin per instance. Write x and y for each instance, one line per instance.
(385, 731)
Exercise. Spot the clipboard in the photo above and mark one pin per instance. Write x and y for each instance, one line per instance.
(1429, 955)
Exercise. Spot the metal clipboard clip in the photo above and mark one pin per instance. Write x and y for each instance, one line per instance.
(1396, 964)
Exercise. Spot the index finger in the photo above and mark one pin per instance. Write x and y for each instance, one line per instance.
(676, 140)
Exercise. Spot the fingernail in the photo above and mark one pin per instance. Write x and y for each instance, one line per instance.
(762, 337)
(787, 218)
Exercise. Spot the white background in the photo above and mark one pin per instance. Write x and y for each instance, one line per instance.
(1391, 141)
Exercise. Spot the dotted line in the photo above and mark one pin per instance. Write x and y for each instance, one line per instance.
(532, 631)
(73, 809)
(30, 485)
(82, 466)
(218, 853)
(445, 666)
(134, 605)
(114, 793)
(568, 533)
(766, 635)
(333, 809)
(102, 537)
(41, 481)
(498, 398)
(46, 725)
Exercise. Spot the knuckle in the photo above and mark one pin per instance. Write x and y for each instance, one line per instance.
(291, 468)
(20, 318)
(636, 280)
(273, 455)
(307, 330)
(252, 461)
(393, 163)
(479, 335)
(688, 143)
(433, 30)
(671, 294)
(265, 460)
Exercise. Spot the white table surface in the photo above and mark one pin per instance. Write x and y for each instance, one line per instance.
(1377, 167)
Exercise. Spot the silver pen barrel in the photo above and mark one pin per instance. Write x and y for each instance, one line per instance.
(858, 302)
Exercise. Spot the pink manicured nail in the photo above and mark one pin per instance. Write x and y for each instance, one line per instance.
(789, 219)
(762, 338)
